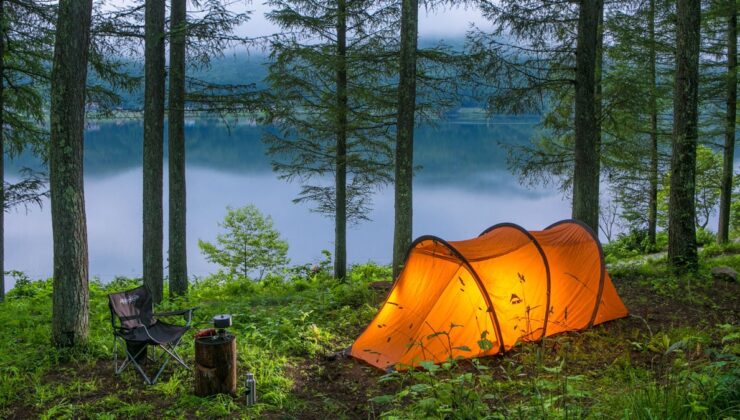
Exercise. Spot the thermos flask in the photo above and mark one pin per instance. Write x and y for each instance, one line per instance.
(251, 389)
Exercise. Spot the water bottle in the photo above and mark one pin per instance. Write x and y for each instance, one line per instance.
(251, 389)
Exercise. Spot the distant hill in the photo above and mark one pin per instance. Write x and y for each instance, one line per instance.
(234, 69)
(246, 68)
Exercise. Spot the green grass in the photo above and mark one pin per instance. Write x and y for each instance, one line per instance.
(276, 324)
(289, 328)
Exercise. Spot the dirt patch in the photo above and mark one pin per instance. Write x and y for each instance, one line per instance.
(80, 384)
(715, 304)
(334, 385)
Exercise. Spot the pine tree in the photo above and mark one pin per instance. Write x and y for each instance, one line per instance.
(718, 95)
(154, 89)
(404, 157)
(178, 270)
(587, 153)
(330, 107)
(528, 64)
(2, 151)
(67, 115)
(197, 36)
(24, 77)
(653, 111)
(730, 124)
(682, 253)
(635, 128)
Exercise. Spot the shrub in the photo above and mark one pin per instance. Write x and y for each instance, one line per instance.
(735, 206)
(250, 245)
(25, 287)
(705, 237)
(708, 171)
(320, 270)
(627, 245)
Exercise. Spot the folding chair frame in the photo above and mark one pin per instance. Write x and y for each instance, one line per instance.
(169, 349)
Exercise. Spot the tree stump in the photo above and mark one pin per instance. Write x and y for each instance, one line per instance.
(215, 365)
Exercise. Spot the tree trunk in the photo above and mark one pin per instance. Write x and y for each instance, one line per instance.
(154, 80)
(725, 200)
(653, 190)
(340, 227)
(178, 265)
(245, 260)
(2, 150)
(586, 170)
(681, 207)
(598, 109)
(67, 125)
(404, 164)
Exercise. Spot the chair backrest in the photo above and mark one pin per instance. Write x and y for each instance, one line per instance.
(133, 307)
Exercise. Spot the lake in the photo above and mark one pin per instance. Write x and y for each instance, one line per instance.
(461, 188)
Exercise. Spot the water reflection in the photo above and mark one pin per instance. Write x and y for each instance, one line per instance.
(462, 188)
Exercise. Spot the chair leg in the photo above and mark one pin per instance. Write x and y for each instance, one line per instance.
(130, 360)
(161, 369)
(141, 371)
(179, 360)
(115, 354)
(169, 349)
(116, 367)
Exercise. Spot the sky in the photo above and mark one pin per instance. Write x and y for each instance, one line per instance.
(442, 23)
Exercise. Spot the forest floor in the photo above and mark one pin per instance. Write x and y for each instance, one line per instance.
(675, 356)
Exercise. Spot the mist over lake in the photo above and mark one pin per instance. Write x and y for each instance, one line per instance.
(461, 187)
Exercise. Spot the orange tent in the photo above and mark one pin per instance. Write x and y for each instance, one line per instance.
(479, 297)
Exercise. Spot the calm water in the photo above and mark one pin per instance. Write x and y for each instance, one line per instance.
(461, 188)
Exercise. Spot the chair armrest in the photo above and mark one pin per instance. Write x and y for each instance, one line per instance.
(188, 311)
(120, 331)
(172, 313)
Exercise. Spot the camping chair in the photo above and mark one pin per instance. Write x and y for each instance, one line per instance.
(139, 328)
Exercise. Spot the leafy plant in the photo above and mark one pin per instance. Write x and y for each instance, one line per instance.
(708, 174)
(250, 245)
(632, 244)
(287, 335)
(436, 391)
(24, 286)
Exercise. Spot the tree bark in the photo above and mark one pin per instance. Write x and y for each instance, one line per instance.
(681, 207)
(653, 190)
(70, 298)
(340, 226)
(215, 366)
(2, 150)
(178, 266)
(404, 164)
(586, 170)
(723, 231)
(154, 81)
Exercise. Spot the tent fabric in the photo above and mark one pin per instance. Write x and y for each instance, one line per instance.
(479, 297)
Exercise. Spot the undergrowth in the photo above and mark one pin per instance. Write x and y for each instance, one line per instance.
(630, 368)
(278, 323)
(690, 378)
